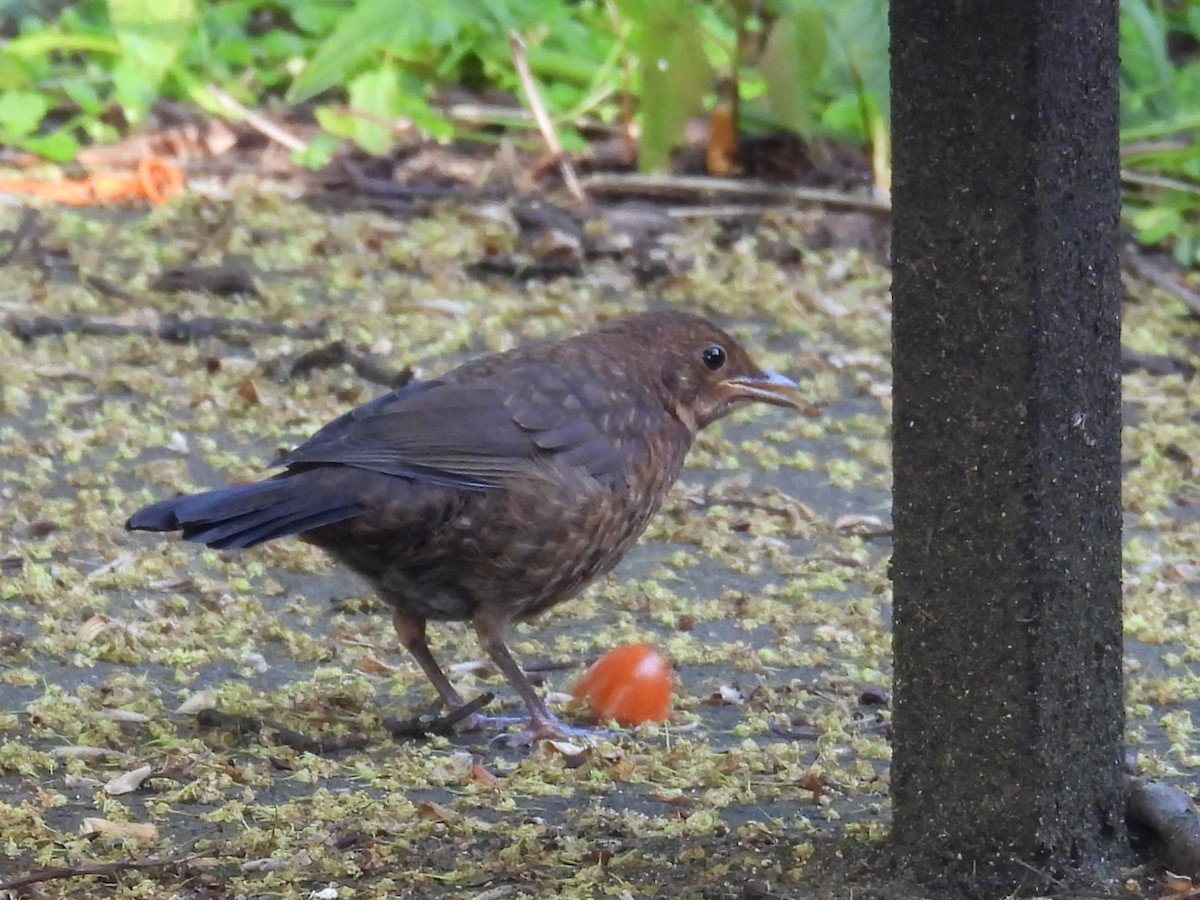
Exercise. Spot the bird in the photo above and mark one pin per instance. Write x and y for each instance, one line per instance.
(499, 489)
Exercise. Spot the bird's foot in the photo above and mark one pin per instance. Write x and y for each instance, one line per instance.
(541, 726)
(548, 727)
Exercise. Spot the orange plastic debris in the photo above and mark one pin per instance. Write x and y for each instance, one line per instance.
(631, 684)
(155, 181)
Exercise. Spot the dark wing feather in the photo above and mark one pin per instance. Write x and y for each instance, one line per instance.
(342, 425)
(469, 435)
(561, 423)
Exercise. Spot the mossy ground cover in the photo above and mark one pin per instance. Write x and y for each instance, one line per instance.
(752, 579)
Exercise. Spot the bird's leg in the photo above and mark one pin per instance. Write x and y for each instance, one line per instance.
(411, 632)
(542, 722)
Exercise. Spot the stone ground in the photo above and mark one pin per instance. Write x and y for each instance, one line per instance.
(764, 579)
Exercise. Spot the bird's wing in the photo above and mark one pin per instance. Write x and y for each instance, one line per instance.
(470, 435)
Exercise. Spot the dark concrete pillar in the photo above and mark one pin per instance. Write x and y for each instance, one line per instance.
(1009, 716)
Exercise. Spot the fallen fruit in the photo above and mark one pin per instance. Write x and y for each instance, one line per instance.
(629, 684)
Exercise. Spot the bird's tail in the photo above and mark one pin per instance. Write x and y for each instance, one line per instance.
(246, 514)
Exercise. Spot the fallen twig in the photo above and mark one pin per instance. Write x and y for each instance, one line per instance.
(691, 186)
(1148, 269)
(258, 122)
(106, 870)
(169, 328)
(542, 117)
(225, 279)
(386, 189)
(339, 353)
(1154, 363)
(276, 734)
(1161, 182)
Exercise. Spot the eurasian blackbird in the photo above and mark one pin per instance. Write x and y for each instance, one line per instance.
(501, 488)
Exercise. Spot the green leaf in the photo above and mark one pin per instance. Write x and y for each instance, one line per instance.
(1142, 21)
(1187, 250)
(43, 42)
(376, 95)
(317, 153)
(21, 112)
(57, 145)
(843, 118)
(676, 77)
(317, 16)
(791, 65)
(371, 26)
(199, 93)
(151, 34)
(1156, 223)
(335, 121)
(859, 31)
(82, 92)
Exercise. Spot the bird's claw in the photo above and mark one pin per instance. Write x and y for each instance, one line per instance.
(550, 729)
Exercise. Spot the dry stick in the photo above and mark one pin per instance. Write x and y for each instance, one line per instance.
(693, 186)
(1139, 179)
(259, 123)
(272, 733)
(170, 328)
(102, 869)
(1157, 276)
(629, 129)
(542, 117)
(721, 211)
(487, 114)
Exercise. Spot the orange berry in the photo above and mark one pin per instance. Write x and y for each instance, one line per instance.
(630, 684)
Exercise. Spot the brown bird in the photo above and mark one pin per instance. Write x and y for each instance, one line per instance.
(501, 488)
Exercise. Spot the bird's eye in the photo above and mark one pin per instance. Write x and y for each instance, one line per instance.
(714, 357)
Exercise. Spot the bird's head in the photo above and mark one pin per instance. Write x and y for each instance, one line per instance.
(705, 373)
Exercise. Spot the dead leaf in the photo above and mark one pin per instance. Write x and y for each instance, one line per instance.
(854, 524)
(125, 716)
(197, 702)
(1182, 572)
(372, 665)
(94, 627)
(482, 775)
(451, 769)
(726, 695)
(429, 811)
(127, 782)
(119, 831)
(248, 392)
(566, 748)
(1175, 885)
(814, 782)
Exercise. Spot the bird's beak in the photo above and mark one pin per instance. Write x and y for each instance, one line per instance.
(769, 387)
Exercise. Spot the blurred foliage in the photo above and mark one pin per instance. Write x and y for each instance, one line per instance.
(1160, 121)
(91, 70)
